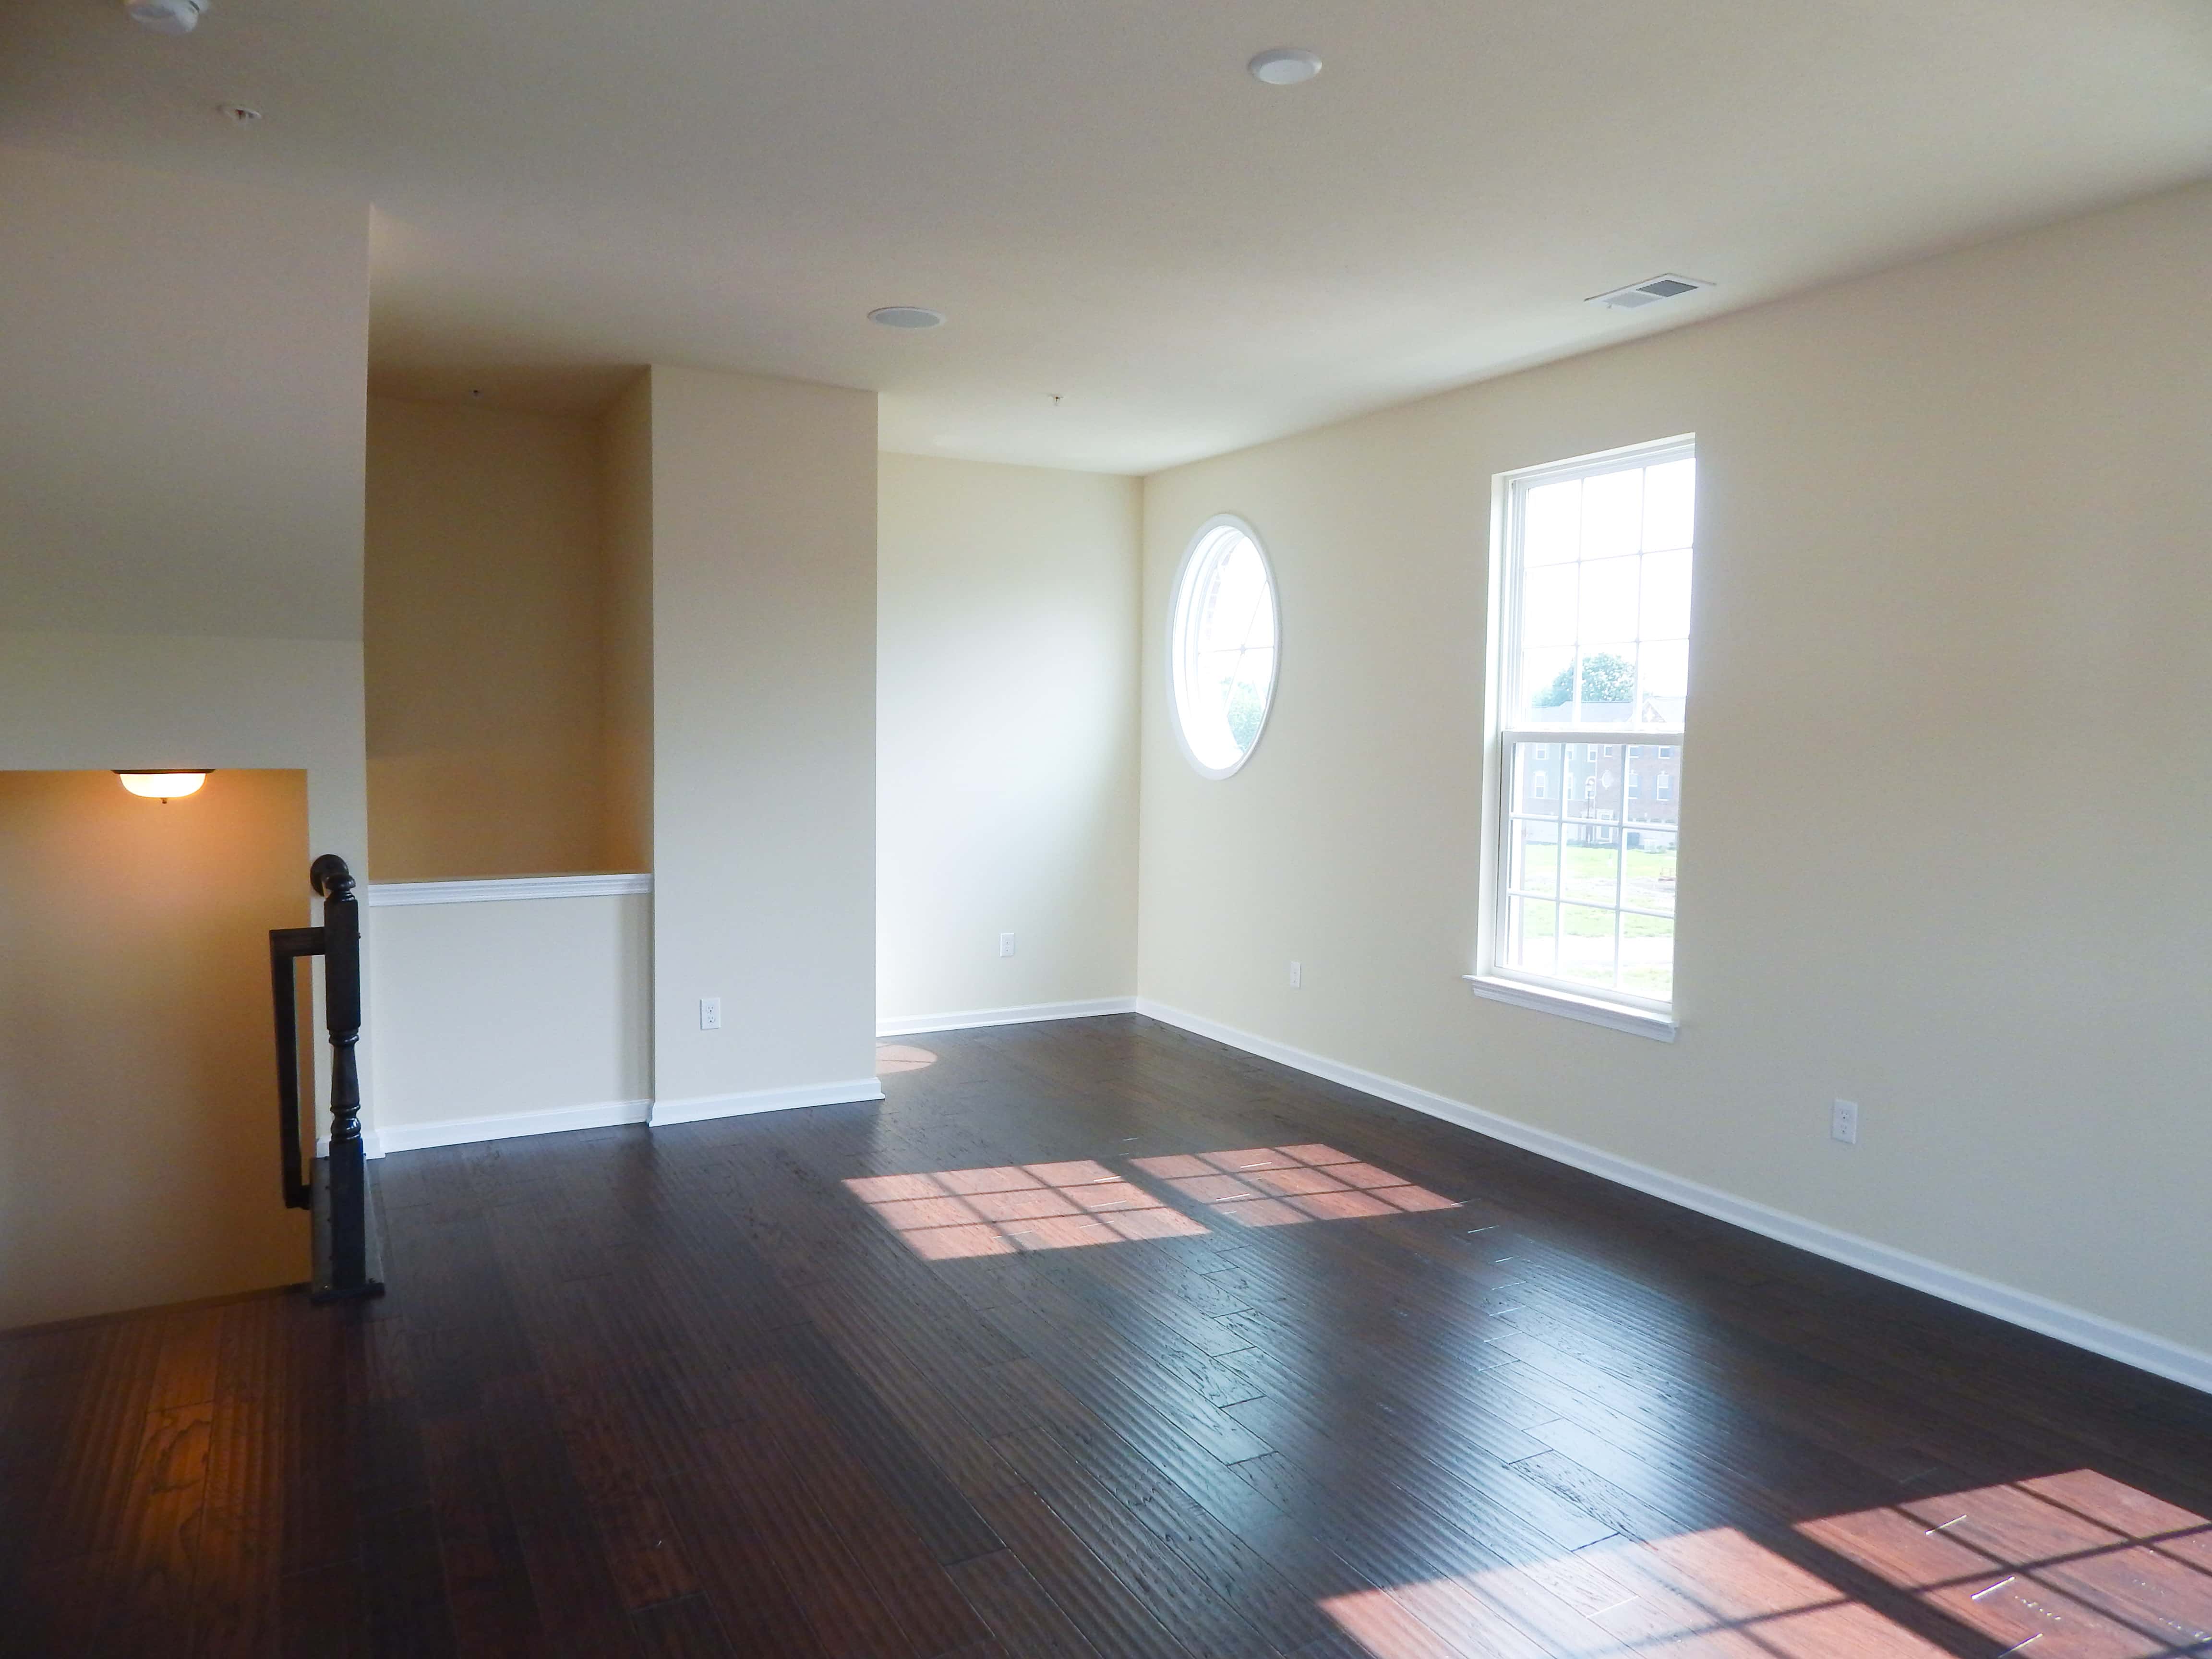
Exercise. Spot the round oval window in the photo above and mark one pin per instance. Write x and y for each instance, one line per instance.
(1221, 650)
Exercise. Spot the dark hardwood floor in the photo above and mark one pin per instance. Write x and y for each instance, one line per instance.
(1091, 1392)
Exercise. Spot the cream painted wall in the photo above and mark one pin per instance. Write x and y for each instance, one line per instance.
(71, 701)
(482, 640)
(1006, 722)
(514, 1007)
(763, 534)
(182, 366)
(182, 373)
(138, 1107)
(625, 445)
(1942, 838)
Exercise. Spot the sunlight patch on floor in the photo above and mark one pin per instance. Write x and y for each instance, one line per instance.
(948, 1214)
(2066, 1567)
(895, 1057)
(2077, 1563)
(1282, 1186)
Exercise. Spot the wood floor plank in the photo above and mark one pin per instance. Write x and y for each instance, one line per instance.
(684, 1392)
(1113, 1617)
(909, 1580)
(685, 1628)
(1025, 1620)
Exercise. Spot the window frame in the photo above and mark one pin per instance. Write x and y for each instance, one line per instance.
(1612, 1006)
(1178, 595)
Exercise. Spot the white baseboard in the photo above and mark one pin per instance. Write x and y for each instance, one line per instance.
(2125, 1343)
(910, 1024)
(460, 1131)
(763, 1100)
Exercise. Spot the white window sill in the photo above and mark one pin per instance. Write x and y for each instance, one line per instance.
(1543, 999)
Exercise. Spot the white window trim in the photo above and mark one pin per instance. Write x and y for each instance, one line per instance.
(1617, 1010)
(1176, 601)
(1544, 998)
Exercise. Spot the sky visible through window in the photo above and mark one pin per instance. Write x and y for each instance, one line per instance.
(1599, 634)
(1224, 641)
(1605, 597)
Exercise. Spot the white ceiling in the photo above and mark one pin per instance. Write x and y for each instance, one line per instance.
(1100, 201)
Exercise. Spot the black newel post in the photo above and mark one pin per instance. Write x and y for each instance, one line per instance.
(346, 1271)
(347, 1259)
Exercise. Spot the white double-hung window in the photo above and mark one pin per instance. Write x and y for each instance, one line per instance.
(1594, 566)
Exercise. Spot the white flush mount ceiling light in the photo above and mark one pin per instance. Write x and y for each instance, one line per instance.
(1636, 295)
(905, 317)
(1284, 66)
(167, 16)
(162, 786)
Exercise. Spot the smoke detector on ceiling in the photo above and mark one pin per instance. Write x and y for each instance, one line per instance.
(1636, 295)
(1284, 66)
(167, 16)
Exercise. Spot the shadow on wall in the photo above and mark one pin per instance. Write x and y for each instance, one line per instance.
(137, 1094)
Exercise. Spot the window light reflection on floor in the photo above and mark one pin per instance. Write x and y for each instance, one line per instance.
(2080, 1564)
(1282, 1186)
(948, 1214)
(2066, 1567)
(892, 1058)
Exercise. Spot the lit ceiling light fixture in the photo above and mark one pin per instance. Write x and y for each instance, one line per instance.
(162, 786)
(1284, 66)
(167, 16)
(905, 317)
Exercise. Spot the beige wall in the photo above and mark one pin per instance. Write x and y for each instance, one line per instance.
(182, 367)
(138, 1105)
(625, 442)
(525, 1007)
(144, 700)
(1007, 721)
(1942, 846)
(483, 642)
(763, 536)
(181, 373)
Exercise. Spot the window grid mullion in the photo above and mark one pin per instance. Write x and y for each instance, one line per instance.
(1560, 858)
(1626, 910)
(1515, 820)
(1575, 662)
(1619, 867)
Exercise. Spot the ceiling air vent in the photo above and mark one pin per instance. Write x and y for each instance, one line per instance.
(1638, 294)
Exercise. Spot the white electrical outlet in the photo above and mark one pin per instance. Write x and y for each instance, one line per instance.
(710, 1013)
(1005, 945)
(1843, 1123)
(1294, 971)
